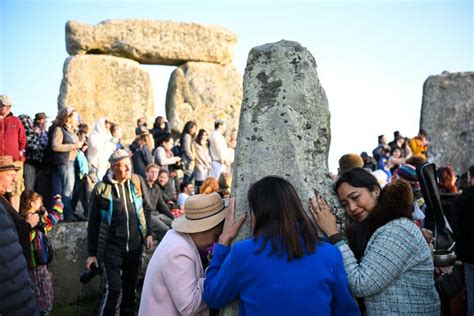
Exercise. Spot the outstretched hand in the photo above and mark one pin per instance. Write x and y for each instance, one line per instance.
(322, 215)
(231, 226)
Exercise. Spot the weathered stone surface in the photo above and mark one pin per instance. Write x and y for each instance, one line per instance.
(284, 127)
(69, 242)
(152, 41)
(447, 114)
(204, 92)
(106, 86)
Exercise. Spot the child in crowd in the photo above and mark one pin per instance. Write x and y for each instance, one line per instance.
(41, 251)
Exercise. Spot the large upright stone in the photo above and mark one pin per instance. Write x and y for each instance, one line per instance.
(284, 127)
(116, 88)
(152, 42)
(447, 114)
(204, 92)
(69, 242)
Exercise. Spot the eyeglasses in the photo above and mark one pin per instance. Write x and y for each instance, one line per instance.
(5, 106)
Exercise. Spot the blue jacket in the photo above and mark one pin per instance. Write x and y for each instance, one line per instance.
(271, 285)
(17, 296)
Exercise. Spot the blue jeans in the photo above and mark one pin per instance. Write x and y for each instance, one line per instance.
(29, 174)
(63, 183)
(469, 276)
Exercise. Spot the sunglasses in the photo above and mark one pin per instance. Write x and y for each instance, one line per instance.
(5, 106)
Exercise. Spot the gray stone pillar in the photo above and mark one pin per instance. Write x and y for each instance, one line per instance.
(284, 127)
(447, 114)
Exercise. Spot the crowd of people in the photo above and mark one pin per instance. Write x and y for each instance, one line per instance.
(175, 200)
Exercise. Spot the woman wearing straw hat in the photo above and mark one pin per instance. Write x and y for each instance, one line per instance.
(175, 275)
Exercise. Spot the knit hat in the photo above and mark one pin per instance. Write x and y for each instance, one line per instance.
(6, 163)
(118, 155)
(408, 173)
(5, 100)
(201, 212)
(349, 161)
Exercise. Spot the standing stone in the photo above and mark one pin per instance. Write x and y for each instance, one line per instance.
(447, 114)
(152, 42)
(204, 92)
(116, 88)
(69, 241)
(284, 128)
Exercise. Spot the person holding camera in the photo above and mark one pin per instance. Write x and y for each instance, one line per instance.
(118, 228)
(175, 275)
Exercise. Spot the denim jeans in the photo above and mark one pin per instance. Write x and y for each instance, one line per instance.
(189, 178)
(29, 174)
(469, 275)
(63, 183)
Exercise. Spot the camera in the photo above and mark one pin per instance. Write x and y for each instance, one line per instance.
(88, 275)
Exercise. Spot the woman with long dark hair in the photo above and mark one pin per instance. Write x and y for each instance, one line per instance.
(160, 129)
(188, 153)
(203, 158)
(284, 268)
(387, 260)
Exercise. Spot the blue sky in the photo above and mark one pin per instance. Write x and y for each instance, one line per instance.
(372, 56)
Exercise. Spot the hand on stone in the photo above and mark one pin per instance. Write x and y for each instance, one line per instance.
(231, 226)
(322, 215)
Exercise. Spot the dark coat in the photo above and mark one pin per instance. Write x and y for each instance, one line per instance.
(462, 214)
(16, 292)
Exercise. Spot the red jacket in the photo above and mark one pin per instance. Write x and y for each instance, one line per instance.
(12, 138)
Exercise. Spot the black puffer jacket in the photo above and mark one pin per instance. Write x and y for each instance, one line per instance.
(16, 292)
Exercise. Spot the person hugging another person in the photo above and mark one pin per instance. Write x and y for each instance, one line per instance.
(284, 268)
(40, 250)
(175, 275)
(386, 258)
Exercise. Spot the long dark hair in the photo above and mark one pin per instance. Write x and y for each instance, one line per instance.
(358, 233)
(200, 136)
(358, 178)
(187, 130)
(395, 201)
(281, 219)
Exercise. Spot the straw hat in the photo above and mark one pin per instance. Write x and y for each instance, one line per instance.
(201, 212)
(6, 163)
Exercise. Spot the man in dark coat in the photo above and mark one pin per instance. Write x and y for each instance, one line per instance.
(462, 212)
(16, 292)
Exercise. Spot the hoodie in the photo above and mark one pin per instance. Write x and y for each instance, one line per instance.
(12, 137)
(117, 220)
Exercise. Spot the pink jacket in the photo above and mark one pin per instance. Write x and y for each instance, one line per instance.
(174, 279)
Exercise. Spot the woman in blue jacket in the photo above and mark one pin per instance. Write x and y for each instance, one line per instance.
(284, 269)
